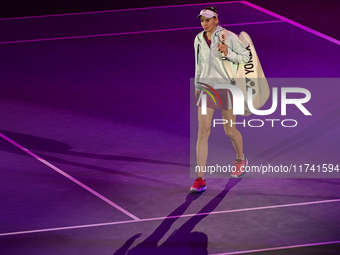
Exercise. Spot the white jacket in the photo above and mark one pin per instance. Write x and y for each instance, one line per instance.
(208, 61)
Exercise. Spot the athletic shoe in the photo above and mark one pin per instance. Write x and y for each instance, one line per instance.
(199, 185)
(240, 166)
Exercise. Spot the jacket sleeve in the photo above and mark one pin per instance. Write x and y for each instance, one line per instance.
(237, 53)
(198, 68)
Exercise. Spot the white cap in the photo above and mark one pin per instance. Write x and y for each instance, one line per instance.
(207, 13)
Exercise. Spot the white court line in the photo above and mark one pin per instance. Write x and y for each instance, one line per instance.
(331, 39)
(69, 177)
(136, 219)
(278, 248)
(282, 18)
(132, 32)
(119, 10)
(168, 217)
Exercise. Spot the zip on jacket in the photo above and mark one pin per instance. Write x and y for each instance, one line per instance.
(209, 67)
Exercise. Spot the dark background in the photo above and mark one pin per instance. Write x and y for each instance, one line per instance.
(321, 15)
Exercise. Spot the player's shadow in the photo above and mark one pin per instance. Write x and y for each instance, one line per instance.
(182, 241)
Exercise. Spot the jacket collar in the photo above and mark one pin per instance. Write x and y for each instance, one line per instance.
(214, 35)
(218, 29)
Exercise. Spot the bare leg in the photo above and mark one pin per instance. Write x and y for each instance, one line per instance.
(233, 133)
(204, 126)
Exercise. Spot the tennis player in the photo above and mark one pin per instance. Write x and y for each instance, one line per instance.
(210, 70)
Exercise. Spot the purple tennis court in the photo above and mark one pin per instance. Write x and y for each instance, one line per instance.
(98, 128)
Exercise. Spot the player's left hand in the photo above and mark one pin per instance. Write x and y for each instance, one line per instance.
(223, 48)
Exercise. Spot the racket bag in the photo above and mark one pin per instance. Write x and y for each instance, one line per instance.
(249, 75)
